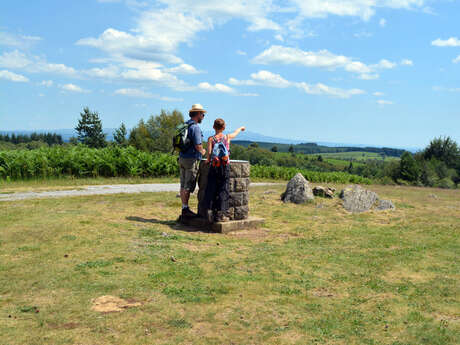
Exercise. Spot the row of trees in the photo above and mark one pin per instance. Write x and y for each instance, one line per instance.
(49, 138)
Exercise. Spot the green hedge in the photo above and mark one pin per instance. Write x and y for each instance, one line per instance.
(81, 161)
(285, 173)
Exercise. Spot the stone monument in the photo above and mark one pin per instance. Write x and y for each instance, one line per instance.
(239, 199)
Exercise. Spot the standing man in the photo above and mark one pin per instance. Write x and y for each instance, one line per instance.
(189, 159)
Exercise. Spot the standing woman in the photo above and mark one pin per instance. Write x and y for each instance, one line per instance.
(217, 194)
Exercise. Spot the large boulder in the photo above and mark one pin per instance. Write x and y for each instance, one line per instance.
(298, 190)
(356, 199)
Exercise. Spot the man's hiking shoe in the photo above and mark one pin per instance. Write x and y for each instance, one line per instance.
(187, 213)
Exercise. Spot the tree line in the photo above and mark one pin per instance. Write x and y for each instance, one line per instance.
(48, 138)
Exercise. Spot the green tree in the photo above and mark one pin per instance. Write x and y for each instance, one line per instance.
(444, 149)
(320, 158)
(275, 149)
(89, 129)
(157, 132)
(408, 168)
(120, 135)
(253, 146)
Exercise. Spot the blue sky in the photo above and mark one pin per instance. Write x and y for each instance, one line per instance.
(377, 72)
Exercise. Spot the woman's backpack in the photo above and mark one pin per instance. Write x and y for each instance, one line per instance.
(220, 154)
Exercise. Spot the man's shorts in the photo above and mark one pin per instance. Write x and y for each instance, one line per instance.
(188, 173)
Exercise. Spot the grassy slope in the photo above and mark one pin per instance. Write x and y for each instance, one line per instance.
(314, 274)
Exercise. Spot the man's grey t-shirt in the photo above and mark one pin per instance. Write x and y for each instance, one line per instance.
(196, 138)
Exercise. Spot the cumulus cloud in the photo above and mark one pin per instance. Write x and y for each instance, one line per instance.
(215, 88)
(240, 52)
(384, 102)
(7, 75)
(407, 62)
(355, 8)
(47, 83)
(139, 93)
(183, 69)
(20, 41)
(321, 59)
(33, 64)
(267, 78)
(450, 42)
(456, 60)
(379, 94)
(73, 88)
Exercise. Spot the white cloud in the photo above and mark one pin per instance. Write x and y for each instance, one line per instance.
(270, 79)
(73, 88)
(279, 37)
(450, 42)
(384, 64)
(215, 88)
(382, 22)
(448, 89)
(33, 64)
(321, 59)
(183, 69)
(407, 62)
(378, 94)
(47, 83)
(364, 9)
(267, 78)
(139, 93)
(240, 52)
(456, 60)
(7, 75)
(384, 102)
(20, 41)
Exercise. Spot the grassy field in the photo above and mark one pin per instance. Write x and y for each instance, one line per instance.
(314, 274)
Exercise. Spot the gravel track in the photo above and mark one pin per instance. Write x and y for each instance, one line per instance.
(102, 190)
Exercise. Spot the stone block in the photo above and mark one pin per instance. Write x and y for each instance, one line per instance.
(235, 225)
(235, 170)
(239, 185)
(245, 169)
(238, 199)
(231, 213)
(241, 212)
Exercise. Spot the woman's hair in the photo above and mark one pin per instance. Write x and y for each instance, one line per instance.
(219, 124)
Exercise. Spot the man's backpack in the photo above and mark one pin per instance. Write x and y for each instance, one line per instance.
(181, 141)
(220, 154)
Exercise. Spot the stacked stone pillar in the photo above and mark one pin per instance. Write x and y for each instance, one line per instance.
(238, 188)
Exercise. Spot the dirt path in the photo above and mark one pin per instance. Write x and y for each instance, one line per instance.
(100, 190)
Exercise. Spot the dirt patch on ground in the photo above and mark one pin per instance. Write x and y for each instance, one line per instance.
(322, 292)
(112, 304)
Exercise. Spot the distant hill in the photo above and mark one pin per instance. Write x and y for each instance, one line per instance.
(309, 148)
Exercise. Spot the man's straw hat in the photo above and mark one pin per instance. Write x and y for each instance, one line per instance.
(197, 107)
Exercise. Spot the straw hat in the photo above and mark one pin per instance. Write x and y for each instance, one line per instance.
(197, 107)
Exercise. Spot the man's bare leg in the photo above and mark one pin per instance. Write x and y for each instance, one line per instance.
(184, 196)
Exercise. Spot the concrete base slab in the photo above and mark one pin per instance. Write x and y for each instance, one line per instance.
(223, 227)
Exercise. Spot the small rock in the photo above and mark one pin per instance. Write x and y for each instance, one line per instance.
(173, 259)
(66, 255)
(269, 192)
(324, 192)
(298, 190)
(164, 234)
(434, 196)
(385, 205)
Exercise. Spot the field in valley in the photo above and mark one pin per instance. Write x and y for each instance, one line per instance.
(313, 274)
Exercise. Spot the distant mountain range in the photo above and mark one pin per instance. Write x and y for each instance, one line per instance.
(244, 136)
